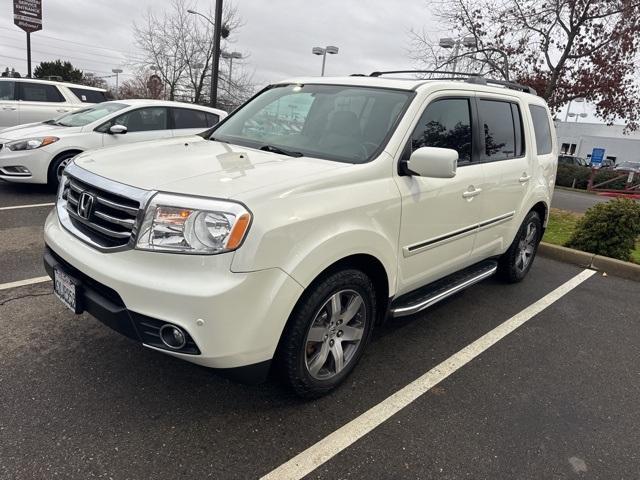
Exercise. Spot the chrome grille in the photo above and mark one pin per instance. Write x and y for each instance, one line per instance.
(107, 219)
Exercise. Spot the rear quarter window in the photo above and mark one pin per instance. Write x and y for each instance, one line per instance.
(542, 129)
(88, 96)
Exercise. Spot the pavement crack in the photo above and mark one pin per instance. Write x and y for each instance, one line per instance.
(3, 302)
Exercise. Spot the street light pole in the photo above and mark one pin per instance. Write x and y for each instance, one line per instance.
(331, 50)
(215, 64)
(117, 71)
(230, 56)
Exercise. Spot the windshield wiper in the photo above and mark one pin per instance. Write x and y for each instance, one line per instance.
(281, 151)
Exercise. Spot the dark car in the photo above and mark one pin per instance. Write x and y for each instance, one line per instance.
(572, 160)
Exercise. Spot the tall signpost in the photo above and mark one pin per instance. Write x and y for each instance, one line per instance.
(27, 14)
(597, 156)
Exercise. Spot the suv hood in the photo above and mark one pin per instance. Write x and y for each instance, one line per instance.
(30, 130)
(195, 166)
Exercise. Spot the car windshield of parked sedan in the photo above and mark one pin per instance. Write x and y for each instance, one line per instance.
(333, 122)
(83, 117)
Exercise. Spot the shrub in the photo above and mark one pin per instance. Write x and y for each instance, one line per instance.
(608, 229)
(604, 175)
(567, 173)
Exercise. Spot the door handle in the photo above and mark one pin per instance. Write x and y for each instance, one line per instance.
(524, 178)
(472, 192)
(62, 110)
(8, 108)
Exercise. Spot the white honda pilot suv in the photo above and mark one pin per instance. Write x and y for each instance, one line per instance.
(321, 207)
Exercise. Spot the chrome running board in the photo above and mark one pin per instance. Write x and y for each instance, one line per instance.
(416, 301)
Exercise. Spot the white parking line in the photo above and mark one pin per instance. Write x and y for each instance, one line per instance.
(314, 456)
(16, 207)
(22, 283)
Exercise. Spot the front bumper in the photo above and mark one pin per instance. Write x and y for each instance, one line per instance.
(36, 161)
(234, 319)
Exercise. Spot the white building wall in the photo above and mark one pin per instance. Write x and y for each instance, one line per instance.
(587, 136)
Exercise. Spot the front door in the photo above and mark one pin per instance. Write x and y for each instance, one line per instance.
(440, 216)
(148, 123)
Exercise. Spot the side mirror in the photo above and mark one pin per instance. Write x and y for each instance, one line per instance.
(433, 162)
(117, 129)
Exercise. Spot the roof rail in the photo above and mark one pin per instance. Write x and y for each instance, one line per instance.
(511, 85)
(452, 74)
(475, 78)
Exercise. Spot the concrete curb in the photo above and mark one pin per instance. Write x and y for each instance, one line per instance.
(611, 266)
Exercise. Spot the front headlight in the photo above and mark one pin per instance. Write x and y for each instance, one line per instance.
(175, 223)
(30, 143)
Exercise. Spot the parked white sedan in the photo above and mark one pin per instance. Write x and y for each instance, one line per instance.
(38, 152)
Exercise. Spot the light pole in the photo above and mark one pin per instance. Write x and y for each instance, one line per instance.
(117, 71)
(231, 56)
(568, 114)
(578, 116)
(331, 50)
(217, 35)
(467, 42)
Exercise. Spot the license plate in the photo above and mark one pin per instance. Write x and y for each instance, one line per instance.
(66, 289)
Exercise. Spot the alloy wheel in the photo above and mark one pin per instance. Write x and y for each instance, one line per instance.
(335, 334)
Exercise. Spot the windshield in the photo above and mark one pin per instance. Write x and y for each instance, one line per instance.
(83, 117)
(333, 122)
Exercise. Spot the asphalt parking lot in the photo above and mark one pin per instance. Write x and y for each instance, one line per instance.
(557, 398)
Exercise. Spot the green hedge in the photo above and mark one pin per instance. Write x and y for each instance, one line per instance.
(608, 229)
(567, 174)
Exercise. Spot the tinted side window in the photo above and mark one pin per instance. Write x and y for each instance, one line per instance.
(89, 96)
(7, 90)
(212, 119)
(445, 123)
(542, 129)
(143, 119)
(187, 118)
(497, 120)
(519, 130)
(39, 92)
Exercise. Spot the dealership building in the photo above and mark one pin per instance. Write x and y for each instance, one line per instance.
(579, 139)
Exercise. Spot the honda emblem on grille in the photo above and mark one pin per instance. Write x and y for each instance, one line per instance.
(85, 205)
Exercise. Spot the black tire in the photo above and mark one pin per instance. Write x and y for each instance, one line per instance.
(294, 347)
(52, 175)
(511, 266)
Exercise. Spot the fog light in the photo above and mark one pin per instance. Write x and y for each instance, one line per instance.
(15, 170)
(173, 337)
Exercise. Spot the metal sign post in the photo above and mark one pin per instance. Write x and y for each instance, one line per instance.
(27, 14)
(597, 156)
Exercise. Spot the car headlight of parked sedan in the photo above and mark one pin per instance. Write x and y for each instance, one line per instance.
(173, 223)
(30, 143)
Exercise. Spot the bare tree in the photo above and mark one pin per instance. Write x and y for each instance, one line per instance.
(141, 85)
(179, 46)
(565, 49)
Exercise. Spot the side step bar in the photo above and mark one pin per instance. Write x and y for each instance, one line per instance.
(418, 300)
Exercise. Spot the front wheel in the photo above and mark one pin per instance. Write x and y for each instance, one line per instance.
(57, 167)
(516, 262)
(327, 333)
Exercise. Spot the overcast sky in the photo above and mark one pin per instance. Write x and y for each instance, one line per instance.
(278, 35)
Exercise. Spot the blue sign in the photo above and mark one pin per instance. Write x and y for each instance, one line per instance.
(597, 156)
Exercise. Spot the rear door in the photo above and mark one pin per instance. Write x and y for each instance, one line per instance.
(147, 123)
(8, 104)
(39, 102)
(507, 162)
(189, 121)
